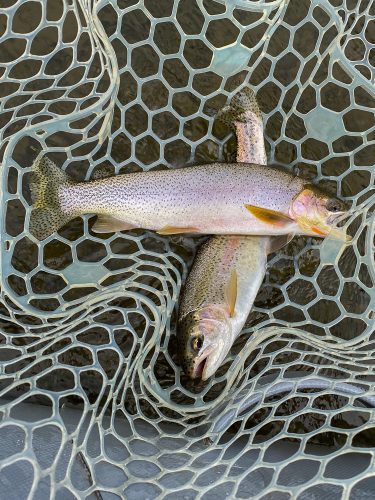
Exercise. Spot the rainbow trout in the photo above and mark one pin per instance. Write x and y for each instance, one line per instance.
(217, 298)
(208, 199)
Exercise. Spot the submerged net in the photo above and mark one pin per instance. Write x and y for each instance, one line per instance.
(93, 403)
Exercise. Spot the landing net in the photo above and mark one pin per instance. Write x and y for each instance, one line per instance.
(93, 403)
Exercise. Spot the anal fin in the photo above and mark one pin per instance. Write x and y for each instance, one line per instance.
(109, 224)
(176, 230)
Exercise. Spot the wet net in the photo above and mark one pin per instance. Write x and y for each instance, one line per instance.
(93, 403)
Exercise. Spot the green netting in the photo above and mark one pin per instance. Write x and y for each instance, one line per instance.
(93, 403)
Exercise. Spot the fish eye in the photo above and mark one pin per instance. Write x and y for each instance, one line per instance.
(197, 343)
(333, 205)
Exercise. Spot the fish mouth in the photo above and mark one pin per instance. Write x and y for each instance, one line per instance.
(336, 218)
(200, 367)
(198, 370)
(339, 234)
(335, 232)
(332, 232)
(327, 229)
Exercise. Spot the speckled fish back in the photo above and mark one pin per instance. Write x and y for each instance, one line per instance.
(213, 265)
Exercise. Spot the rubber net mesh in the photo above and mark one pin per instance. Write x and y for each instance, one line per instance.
(93, 403)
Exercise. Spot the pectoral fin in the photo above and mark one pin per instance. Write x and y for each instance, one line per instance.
(109, 224)
(231, 293)
(277, 242)
(176, 230)
(268, 216)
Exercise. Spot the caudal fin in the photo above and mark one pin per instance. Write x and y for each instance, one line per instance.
(46, 214)
(242, 103)
(243, 115)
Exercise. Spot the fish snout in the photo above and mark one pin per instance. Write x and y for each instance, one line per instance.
(201, 363)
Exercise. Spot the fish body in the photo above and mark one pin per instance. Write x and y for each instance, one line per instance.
(210, 198)
(206, 325)
(244, 117)
(207, 199)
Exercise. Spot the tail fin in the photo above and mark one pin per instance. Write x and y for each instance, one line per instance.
(242, 103)
(46, 214)
(244, 117)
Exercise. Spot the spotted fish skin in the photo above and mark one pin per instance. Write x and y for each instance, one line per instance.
(205, 329)
(46, 183)
(154, 199)
(212, 269)
(217, 198)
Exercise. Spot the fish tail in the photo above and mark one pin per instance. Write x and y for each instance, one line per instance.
(242, 103)
(46, 214)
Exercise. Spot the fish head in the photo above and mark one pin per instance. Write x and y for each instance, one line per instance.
(317, 213)
(206, 337)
